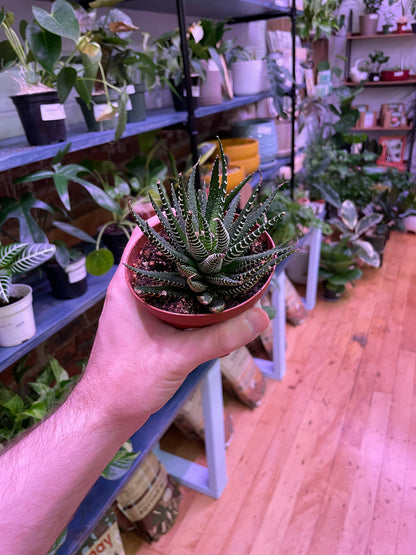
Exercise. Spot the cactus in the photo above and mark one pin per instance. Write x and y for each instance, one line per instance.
(208, 243)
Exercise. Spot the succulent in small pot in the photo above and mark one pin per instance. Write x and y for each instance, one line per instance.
(204, 262)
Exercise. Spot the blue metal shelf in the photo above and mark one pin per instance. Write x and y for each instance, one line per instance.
(16, 152)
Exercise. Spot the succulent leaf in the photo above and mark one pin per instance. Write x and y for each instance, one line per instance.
(212, 263)
(195, 245)
(196, 285)
(222, 235)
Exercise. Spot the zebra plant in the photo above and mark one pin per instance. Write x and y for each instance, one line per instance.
(20, 257)
(209, 242)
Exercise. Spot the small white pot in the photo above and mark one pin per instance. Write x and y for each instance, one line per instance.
(211, 88)
(17, 320)
(249, 77)
(409, 223)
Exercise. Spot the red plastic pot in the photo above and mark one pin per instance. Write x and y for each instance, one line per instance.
(395, 75)
(185, 321)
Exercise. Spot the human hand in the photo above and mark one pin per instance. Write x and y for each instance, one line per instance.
(138, 362)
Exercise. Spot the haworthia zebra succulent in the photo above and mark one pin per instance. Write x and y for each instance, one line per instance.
(209, 241)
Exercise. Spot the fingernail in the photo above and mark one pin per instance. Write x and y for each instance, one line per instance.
(256, 320)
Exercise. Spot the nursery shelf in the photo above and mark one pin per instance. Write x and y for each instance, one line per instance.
(15, 152)
(216, 9)
(52, 314)
(397, 83)
(380, 36)
(382, 129)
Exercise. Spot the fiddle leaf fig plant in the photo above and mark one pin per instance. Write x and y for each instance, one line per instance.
(208, 242)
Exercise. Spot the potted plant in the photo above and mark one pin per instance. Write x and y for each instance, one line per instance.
(337, 269)
(199, 261)
(207, 44)
(124, 66)
(43, 70)
(68, 263)
(369, 19)
(408, 7)
(377, 59)
(249, 74)
(319, 20)
(352, 229)
(17, 322)
(169, 61)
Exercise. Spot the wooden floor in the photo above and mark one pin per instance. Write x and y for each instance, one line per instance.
(327, 464)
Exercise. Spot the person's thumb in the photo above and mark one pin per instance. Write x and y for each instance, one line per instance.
(224, 338)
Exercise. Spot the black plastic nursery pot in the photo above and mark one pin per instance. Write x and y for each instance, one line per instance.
(62, 287)
(179, 100)
(137, 111)
(42, 117)
(91, 112)
(115, 240)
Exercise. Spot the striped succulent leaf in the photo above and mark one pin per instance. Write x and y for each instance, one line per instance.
(208, 241)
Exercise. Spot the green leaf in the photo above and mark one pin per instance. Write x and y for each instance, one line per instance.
(5, 284)
(66, 82)
(122, 114)
(74, 231)
(37, 410)
(29, 229)
(8, 56)
(45, 47)
(32, 256)
(119, 465)
(99, 262)
(62, 21)
(349, 214)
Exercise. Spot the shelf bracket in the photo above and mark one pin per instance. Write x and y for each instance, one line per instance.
(210, 480)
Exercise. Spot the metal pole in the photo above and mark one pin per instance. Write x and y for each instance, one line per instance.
(293, 17)
(180, 7)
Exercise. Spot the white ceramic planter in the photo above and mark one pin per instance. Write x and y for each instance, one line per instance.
(409, 223)
(249, 77)
(17, 320)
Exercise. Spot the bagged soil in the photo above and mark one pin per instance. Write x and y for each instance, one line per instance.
(105, 539)
(242, 377)
(150, 500)
(295, 309)
(190, 418)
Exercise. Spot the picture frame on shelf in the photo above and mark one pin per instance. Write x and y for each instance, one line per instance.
(392, 154)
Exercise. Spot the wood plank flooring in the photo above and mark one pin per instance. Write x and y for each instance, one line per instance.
(327, 463)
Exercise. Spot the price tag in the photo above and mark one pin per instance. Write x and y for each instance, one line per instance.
(52, 112)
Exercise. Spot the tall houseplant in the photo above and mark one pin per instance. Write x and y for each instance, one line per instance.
(209, 263)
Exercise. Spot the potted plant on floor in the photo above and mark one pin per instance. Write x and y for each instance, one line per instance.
(17, 322)
(199, 261)
(337, 269)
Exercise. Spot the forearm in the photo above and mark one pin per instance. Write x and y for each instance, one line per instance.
(46, 475)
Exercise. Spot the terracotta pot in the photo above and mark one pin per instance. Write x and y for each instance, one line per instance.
(185, 321)
(236, 149)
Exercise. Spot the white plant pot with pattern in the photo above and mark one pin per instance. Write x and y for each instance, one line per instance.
(17, 320)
